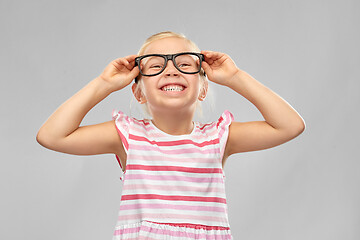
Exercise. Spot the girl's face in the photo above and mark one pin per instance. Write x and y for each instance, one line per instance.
(171, 90)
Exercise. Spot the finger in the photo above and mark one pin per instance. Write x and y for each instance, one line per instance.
(132, 63)
(131, 58)
(210, 56)
(206, 52)
(134, 73)
(213, 55)
(125, 63)
(209, 60)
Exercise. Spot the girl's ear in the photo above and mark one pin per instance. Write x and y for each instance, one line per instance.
(138, 93)
(204, 90)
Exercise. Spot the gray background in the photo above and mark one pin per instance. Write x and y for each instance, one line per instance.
(306, 51)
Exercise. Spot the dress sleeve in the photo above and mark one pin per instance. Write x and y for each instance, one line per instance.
(122, 123)
(222, 126)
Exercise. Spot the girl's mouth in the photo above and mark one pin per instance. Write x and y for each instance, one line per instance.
(173, 88)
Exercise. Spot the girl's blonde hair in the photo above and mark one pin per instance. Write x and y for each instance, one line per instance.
(163, 35)
(166, 34)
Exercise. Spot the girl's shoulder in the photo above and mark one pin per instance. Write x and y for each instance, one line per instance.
(219, 127)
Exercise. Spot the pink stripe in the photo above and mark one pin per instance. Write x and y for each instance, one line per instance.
(195, 226)
(130, 176)
(172, 168)
(176, 151)
(174, 143)
(170, 206)
(171, 188)
(219, 121)
(141, 122)
(209, 133)
(173, 198)
(208, 127)
(172, 159)
(205, 125)
(143, 125)
(171, 216)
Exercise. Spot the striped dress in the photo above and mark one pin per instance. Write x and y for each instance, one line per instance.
(173, 185)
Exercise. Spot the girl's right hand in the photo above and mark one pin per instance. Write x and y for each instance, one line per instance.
(120, 72)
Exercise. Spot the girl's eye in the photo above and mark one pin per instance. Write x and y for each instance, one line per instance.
(156, 66)
(184, 65)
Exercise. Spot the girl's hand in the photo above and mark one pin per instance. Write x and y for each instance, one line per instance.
(120, 72)
(219, 67)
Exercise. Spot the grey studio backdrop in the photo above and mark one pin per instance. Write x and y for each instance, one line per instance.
(306, 51)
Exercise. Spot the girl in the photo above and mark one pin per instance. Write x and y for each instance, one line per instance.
(173, 184)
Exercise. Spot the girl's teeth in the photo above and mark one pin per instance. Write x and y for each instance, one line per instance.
(173, 88)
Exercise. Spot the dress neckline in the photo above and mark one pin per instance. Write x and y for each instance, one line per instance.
(195, 124)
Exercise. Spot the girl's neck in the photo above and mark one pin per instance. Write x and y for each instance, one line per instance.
(174, 123)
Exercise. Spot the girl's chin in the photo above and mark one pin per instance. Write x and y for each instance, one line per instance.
(173, 105)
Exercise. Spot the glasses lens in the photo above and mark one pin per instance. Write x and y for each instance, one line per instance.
(152, 65)
(188, 63)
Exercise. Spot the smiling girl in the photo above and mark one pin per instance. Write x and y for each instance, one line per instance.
(172, 167)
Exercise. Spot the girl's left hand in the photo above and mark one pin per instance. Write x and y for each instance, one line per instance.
(219, 67)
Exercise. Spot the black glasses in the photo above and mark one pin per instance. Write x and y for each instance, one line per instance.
(154, 64)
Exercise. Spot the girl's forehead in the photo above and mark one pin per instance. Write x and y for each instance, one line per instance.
(169, 45)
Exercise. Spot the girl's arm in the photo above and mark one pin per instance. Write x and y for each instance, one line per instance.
(282, 123)
(61, 132)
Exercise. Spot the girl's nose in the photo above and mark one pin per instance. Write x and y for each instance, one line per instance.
(171, 69)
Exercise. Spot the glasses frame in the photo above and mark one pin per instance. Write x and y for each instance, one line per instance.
(168, 57)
